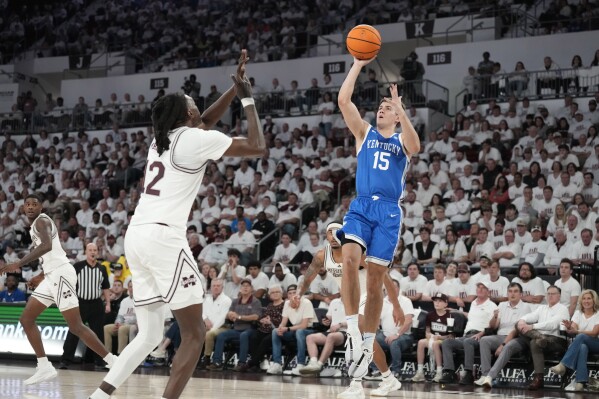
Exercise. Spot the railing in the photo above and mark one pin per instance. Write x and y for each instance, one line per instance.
(533, 84)
(285, 103)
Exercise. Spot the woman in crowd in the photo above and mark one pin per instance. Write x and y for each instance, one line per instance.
(585, 324)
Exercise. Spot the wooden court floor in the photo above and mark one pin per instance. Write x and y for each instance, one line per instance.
(149, 383)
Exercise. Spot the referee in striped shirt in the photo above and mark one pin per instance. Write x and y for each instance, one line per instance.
(92, 285)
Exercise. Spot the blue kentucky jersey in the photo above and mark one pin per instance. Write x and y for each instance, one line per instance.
(382, 166)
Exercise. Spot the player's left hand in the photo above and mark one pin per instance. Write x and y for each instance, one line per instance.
(243, 59)
(35, 281)
(398, 317)
(11, 267)
(395, 100)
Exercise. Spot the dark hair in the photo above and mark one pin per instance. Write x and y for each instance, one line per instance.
(255, 263)
(533, 272)
(169, 112)
(569, 262)
(34, 196)
(515, 285)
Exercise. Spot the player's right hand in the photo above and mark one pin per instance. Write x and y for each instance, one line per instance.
(243, 87)
(363, 63)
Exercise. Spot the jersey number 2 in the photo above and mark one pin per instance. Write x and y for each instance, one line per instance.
(381, 160)
(149, 189)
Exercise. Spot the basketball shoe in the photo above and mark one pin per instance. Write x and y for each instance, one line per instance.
(42, 373)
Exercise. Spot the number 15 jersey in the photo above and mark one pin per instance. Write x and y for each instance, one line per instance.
(382, 166)
(172, 179)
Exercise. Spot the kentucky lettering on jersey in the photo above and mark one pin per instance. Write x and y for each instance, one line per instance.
(382, 166)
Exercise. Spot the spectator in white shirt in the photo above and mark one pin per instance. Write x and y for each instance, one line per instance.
(504, 319)
(507, 255)
(426, 190)
(414, 209)
(572, 229)
(259, 279)
(232, 273)
(458, 211)
(533, 290)
(282, 276)
(570, 288)
(481, 247)
(285, 251)
(414, 284)
(324, 288)
(541, 329)
(584, 250)
(586, 217)
(438, 285)
(534, 251)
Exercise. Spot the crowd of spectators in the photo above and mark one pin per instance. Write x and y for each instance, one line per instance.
(491, 80)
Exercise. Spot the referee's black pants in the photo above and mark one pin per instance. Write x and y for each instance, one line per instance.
(92, 313)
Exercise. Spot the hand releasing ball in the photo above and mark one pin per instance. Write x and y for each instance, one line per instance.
(363, 42)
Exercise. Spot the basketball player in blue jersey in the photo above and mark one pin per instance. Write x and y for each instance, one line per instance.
(373, 222)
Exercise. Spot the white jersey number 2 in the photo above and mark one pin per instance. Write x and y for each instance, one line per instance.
(149, 189)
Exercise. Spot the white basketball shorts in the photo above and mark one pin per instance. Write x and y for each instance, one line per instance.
(58, 286)
(162, 266)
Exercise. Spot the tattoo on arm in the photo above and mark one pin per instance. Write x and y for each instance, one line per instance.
(311, 273)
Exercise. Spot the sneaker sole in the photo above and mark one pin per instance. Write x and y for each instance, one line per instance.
(310, 372)
(47, 377)
(396, 387)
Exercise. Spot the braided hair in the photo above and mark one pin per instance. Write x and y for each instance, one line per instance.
(168, 113)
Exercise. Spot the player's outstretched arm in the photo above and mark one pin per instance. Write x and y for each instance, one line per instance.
(44, 227)
(398, 316)
(255, 144)
(310, 275)
(216, 111)
(350, 112)
(409, 136)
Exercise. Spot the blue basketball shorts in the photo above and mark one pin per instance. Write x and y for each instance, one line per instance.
(375, 224)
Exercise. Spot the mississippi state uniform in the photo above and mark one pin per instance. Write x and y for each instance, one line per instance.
(374, 217)
(336, 270)
(156, 247)
(60, 279)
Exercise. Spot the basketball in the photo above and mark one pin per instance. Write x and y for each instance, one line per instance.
(363, 42)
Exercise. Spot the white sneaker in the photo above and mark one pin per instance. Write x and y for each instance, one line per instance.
(353, 346)
(438, 376)
(355, 391)
(275, 369)
(386, 386)
(264, 365)
(330, 372)
(297, 369)
(42, 373)
(419, 377)
(359, 368)
(488, 382)
(313, 368)
(158, 354)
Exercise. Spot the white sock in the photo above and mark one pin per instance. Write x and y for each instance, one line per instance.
(352, 324)
(313, 359)
(99, 394)
(439, 369)
(368, 341)
(109, 358)
(42, 361)
(420, 368)
(386, 374)
(358, 380)
(320, 363)
(150, 321)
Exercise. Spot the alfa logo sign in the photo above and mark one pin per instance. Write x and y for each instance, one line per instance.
(419, 29)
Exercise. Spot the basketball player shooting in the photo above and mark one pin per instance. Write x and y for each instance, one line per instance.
(373, 222)
(163, 268)
(56, 285)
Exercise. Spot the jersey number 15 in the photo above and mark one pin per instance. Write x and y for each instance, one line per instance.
(381, 160)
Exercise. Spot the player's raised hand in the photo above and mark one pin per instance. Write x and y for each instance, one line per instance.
(243, 59)
(363, 63)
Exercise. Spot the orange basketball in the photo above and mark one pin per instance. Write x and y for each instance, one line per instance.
(363, 42)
